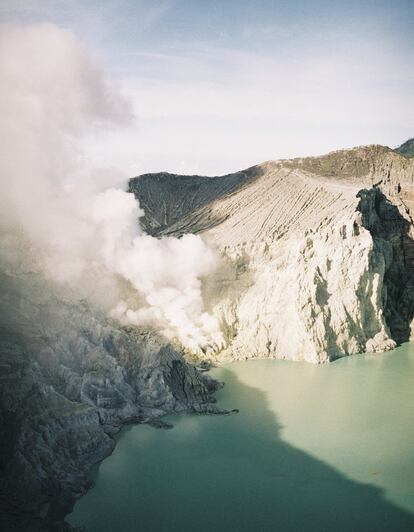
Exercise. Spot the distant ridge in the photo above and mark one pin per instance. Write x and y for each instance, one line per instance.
(407, 148)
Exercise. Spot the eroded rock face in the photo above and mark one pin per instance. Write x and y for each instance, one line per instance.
(314, 299)
(317, 263)
(322, 254)
(69, 379)
(393, 232)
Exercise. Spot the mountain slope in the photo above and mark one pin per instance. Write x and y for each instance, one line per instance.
(320, 251)
(166, 203)
(407, 148)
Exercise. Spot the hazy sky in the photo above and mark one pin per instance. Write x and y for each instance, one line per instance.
(217, 86)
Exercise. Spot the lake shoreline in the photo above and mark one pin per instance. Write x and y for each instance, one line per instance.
(278, 424)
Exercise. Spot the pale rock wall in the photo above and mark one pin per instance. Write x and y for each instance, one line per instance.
(319, 271)
(314, 298)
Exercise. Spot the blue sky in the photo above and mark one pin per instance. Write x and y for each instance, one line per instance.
(218, 86)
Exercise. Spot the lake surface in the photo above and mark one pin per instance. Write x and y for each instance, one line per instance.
(314, 448)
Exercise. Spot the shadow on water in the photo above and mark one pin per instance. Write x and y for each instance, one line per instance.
(228, 474)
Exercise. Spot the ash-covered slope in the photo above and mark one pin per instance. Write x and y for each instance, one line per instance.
(321, 248)
(170, 197)
(69, 378)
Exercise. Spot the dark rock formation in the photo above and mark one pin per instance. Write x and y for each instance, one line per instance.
(169, 197)
(392, 235)
(69, 379)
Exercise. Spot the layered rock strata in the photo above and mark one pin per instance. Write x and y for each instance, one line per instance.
(318, 251)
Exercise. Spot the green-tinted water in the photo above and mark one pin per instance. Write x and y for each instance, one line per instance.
(314, 448)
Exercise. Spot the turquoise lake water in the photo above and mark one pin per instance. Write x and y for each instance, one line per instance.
(313, 448)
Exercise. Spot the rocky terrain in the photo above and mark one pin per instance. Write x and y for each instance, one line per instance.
(318, 252)
(69, 379)
(317, 262)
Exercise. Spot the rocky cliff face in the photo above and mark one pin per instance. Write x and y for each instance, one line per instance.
(69, 379)
(319, 251)
(317, 263)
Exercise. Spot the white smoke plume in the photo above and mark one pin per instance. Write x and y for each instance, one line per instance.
(84, 226)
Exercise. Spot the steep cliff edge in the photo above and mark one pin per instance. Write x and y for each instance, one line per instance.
(319, 251)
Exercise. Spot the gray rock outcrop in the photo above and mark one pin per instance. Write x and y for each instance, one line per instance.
(69, 379)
